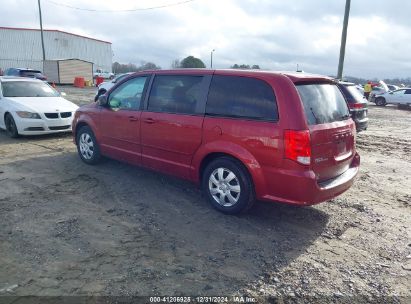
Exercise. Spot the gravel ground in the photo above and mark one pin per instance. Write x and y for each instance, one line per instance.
(116, 230)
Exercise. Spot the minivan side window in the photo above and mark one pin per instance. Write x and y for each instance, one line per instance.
(128, 95)
(241, 97)
(180, 94)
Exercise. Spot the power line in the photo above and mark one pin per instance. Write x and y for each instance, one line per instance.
(119, 11)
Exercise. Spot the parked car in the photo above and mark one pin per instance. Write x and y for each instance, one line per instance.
(401, 97)
(104, 74)
(105, 86)
(241, 135)
(378, 89)
(392, 87)
(19, 72)
(360, 89)
(356, 103)
(32, 107)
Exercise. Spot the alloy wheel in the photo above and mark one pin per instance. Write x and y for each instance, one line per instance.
(224, 187)
(86, 145)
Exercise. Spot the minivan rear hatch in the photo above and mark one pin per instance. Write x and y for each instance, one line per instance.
(331, 129)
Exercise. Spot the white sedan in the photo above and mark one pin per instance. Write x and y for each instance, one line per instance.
(32, 107)
(401, 97)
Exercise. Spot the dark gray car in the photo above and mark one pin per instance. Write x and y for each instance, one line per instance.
(356, 103)
(21, 72)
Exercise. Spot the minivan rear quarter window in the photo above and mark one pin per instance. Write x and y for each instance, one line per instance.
(241, 97)
(323, 103)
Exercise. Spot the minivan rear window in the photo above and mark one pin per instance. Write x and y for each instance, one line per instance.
(323, 103)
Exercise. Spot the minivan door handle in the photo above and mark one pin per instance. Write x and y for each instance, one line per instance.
(149, 121)
(132, 118)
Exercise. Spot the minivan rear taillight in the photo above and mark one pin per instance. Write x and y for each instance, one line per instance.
(298, 146)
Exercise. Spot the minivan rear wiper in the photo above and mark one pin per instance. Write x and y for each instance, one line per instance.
(315, 117)
(346, 116)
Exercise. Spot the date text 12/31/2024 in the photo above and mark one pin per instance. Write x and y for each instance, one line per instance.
(203, 299)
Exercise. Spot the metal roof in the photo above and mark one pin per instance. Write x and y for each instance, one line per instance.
(57, 31)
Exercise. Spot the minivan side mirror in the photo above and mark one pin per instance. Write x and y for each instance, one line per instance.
(102, 100)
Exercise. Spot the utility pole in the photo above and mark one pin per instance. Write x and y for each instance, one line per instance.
(343, 39)
(41, 30)
(211, 61)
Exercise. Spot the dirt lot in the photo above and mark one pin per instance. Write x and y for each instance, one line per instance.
(71, 229)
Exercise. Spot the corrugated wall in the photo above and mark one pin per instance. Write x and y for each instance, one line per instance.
(69, 69)
(22, 48)
(51, 70)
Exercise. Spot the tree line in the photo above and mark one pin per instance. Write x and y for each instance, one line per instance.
(188, 62)
(394, 81)
(193, 62)
(119, 68)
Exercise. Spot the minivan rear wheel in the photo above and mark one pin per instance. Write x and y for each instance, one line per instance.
(228, 186)
(87, 146)
(380, 101)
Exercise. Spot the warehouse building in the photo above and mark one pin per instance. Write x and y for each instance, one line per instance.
(21, 48)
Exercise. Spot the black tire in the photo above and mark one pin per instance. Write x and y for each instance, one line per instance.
(87, 146)
(220, 200)
(11, 127)
(380, 101)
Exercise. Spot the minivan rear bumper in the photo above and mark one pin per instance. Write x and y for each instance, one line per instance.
(302, 188)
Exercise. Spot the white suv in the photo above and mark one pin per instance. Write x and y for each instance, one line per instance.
(400, 97)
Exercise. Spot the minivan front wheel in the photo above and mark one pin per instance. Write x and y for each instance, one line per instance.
(228, 186)
(87, 146)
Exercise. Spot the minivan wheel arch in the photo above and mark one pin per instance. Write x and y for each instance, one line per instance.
(213, 156)
(78, 126)
(216, 149)
(209, 158)
(243, 184)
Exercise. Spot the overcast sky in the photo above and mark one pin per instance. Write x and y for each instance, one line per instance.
(275, 34)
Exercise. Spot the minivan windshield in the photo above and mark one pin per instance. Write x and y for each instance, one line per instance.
(323, 103)
(27, 89)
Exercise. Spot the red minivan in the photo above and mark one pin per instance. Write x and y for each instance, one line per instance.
(241, 135)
